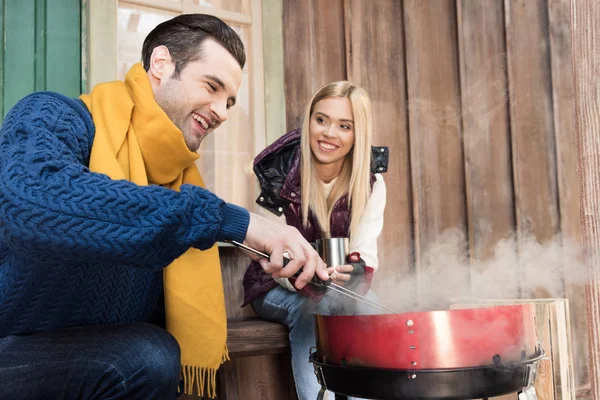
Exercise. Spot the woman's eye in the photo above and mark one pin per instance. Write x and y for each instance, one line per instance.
(346, 127)
(213, 88)
(320, 120)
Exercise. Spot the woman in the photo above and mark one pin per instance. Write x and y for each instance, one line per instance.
(324, 180)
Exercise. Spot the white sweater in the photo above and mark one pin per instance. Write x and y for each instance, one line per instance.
(369, 228)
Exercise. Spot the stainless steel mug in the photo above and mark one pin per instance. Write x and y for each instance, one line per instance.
(333, 251)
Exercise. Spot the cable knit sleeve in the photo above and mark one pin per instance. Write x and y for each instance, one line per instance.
(53, 207)
(370, 225)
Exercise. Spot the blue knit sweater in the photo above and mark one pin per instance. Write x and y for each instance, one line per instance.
(77, 248)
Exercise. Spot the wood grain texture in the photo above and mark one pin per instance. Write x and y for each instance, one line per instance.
(436, 152)
(264, 377)
(233, 267)
(585, 22)
(258, 349)
(544, 382)
(314, 51)
(531, 116)
(486, 135)
(255, 337)
(566, 159)
(228, 382)
(372, 30)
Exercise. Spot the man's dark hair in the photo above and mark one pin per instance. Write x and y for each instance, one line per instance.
(184, 35)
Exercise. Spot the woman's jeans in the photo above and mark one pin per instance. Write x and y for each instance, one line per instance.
(134, 361)
(297, 312)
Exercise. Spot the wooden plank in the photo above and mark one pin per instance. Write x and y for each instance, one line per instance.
(532, 128)
(228, 382)
(240, 377)
(250, 337)
(262, 377)
(585, 23)
(63, 47)
(568, 190)
(486, 135)
(544, 383)
(381, 22)
(275, 103)
(233, 267)
(314, 51)
(561, 328)
(19, 51)
(436, 152)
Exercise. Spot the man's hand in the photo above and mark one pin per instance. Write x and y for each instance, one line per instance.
(274, 238)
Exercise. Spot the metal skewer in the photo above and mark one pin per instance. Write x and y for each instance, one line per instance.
(335, 287)
(356, 296)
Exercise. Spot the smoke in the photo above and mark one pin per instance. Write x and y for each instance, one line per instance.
(519, 268)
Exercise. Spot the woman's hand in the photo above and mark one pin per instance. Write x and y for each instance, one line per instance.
(340, 274)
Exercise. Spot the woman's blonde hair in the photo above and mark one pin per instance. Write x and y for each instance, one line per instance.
(354, 178)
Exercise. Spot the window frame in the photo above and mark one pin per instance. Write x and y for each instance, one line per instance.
(100, 47)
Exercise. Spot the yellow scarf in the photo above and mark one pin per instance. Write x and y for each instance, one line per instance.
(136, 141)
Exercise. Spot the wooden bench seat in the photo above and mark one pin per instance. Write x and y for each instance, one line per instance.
(260, 365)
(255, 336)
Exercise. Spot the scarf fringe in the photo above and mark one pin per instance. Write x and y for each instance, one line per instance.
(205, 378)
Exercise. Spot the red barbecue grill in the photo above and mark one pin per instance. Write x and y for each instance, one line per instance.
(453, 354)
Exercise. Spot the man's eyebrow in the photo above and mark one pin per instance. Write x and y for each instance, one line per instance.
(222, 85)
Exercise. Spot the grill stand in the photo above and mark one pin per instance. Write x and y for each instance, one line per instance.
(516, 378)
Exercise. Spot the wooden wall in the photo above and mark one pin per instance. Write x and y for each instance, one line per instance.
(585, 17)
(475, 101)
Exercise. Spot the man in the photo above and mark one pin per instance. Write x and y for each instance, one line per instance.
(99, 200)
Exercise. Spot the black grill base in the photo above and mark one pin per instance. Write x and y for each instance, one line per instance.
(448, 384)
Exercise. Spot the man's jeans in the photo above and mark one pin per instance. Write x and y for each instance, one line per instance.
(135, 361)
(297, 312)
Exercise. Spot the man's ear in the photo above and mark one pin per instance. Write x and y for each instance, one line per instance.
(161, 63)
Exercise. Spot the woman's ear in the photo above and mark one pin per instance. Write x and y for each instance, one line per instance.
(161, 64)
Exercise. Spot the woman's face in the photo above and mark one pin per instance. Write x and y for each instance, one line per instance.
(331, 132)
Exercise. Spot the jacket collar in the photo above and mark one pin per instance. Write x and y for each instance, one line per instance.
(291, 185)
(288, 147)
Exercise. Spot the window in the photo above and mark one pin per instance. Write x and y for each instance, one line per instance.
(226, 155)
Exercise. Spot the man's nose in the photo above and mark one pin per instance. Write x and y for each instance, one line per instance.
(219, 110)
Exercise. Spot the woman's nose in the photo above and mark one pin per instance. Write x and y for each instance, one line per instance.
(330, 131)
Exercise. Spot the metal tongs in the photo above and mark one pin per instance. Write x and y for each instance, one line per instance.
(319, 282)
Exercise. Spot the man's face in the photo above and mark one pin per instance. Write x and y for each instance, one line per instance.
(199, 100)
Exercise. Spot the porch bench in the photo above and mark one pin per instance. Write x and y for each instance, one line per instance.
(247, 337)
(254, 336)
